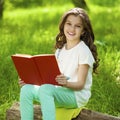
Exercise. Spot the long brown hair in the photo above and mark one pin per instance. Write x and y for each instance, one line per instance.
(87, 36)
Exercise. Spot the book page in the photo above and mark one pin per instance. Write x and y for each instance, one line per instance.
(23, 55)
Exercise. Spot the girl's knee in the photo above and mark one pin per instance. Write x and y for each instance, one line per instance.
(46, 88)
(26, 90)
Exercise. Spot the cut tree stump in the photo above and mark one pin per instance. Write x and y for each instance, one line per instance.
(14, 114)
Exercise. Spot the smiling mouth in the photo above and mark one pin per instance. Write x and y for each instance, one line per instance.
(71, 34)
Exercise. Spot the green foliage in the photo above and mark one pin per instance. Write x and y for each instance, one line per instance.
(105, 90)
(25, 3)
(33, 3)
(33, 31)
(107, 3)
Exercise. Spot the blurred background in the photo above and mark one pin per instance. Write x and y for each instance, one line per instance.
(30, 27)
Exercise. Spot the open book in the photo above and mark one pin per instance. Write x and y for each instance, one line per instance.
(37, 69)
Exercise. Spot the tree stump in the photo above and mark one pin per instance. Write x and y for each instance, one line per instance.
(14, 114)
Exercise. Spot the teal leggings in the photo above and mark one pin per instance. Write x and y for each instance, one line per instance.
(49, 97)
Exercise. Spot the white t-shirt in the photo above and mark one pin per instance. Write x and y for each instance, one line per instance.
(68, 61)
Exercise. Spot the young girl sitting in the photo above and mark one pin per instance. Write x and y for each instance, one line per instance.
(76, 55)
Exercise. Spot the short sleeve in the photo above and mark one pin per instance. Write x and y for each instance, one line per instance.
(57, 52)
(86, 57)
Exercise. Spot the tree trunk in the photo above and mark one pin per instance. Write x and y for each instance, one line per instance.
(1, 8)
(14, 114)
(80, 3)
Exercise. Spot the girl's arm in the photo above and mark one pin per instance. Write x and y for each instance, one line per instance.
(82, 74)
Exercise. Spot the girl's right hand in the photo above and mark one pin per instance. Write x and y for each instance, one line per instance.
(21, 82)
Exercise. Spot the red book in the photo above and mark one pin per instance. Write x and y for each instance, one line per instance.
(37, 69)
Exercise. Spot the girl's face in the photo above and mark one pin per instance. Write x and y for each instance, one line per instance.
(73, 28)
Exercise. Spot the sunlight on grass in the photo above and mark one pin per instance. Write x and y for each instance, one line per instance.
(21, 13)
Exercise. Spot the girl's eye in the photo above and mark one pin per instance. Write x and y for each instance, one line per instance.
(68, 23)
(78, 26)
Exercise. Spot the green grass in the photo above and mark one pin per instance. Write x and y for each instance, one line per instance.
(33, 31)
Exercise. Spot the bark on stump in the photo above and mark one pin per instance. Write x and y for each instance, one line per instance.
(14, 114)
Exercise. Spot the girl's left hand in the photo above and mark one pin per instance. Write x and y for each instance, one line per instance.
(61, 79)
(21, 82)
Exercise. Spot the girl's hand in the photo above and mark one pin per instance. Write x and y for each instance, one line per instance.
(62, 80)
(21, 83)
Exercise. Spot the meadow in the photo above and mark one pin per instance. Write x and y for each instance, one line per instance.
(33, 31)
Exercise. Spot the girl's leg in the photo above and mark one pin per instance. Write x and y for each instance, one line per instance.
(27, 95)
(50, 95)
(47, 102)
(65, 98)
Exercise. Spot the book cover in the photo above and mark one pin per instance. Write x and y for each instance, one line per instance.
(37, 69)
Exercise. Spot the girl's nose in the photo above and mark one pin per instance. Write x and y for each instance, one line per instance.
(72, 28)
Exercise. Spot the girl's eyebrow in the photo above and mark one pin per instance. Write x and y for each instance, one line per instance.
(76, 23)
(68, 21)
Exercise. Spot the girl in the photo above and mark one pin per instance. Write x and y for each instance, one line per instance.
(77, 59)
